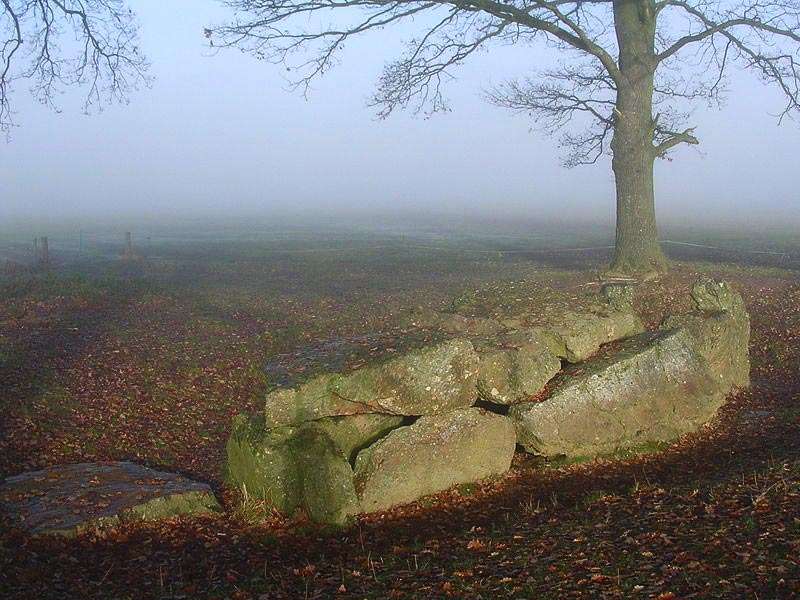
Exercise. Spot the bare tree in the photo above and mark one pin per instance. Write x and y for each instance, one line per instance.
(630, 70)
(51, 44)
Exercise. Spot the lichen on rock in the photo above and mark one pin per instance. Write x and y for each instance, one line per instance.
(720, 328)
(454, 323)
(619, 295)
(433, 454)
(425, 381)
(575, 336)
(355, 432)
(656, 387)
(516, 367)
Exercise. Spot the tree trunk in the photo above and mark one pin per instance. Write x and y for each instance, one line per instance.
(637, 250)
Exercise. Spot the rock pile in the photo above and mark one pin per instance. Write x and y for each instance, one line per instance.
(387, 434)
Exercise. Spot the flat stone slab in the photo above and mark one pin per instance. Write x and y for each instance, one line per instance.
(70, 499)
(431, 380)
(337, 354)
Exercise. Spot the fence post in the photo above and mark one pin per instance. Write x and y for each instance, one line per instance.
(128, 253)
(45, 251)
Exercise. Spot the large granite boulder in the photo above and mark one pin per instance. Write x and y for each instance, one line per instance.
(291, 468)
(515, 368)
(656, 387)
(575, 336)
(427, 381)
(720, 327)
(328, 494)
(353, 433)
(68, 500)
(433, 454)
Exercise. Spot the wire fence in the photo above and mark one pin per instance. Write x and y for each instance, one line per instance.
(99, 246)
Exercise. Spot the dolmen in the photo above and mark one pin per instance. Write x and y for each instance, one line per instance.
(583, 384)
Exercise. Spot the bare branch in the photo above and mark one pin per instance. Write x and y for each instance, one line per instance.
(418, 76)
(587, 147)
(454, 29)
(89, 43)
(760, 35)
(589, 44)
(557, 98)
(673, 139)
(786, 29)
(722, 32)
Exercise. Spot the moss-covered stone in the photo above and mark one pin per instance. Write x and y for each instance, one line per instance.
(720, 328)
(426, 381)
(655, 388)
(261, 463)
(328, 495)
(712, 296)
(575, 336)
(454, 323)
(433, 454)
(355, 432)
(291, 468)
(516, 368)
(315, 399)
(468, 326)
(172, 505)
(619, 296)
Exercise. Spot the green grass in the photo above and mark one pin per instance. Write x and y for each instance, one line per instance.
(644, 449)
(467, 489)
(593, 497)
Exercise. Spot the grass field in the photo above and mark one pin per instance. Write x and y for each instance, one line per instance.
(149, 359)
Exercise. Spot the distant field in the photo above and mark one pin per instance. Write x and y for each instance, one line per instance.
(88, 249)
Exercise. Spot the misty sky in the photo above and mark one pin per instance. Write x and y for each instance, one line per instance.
(221, 133)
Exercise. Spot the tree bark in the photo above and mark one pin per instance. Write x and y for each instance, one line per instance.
(637, 251)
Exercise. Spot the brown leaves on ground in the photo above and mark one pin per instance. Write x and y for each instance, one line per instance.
(154, 375)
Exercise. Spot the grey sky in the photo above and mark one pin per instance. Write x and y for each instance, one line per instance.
(222, 133)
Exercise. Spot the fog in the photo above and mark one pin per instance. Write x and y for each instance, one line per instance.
(219, 134)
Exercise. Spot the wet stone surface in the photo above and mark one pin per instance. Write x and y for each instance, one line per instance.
(341, 354)
(70, 499)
